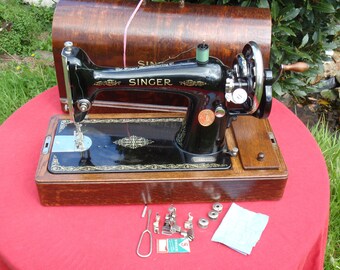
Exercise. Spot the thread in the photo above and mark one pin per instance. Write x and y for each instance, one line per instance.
(126, 29)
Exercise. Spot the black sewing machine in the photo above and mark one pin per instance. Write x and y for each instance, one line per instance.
(216, 95)
(143, 158)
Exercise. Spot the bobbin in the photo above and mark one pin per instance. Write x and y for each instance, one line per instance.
(218, 207)
(213, 215)
(203, 223)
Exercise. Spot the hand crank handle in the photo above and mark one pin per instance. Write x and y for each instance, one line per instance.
(295, 67)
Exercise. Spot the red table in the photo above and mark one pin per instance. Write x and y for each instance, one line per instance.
(106, 237)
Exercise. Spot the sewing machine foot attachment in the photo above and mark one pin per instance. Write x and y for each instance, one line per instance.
(156, 224)
(79, 137)
(188, 224)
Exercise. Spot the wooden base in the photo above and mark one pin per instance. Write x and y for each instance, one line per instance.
(249, 179)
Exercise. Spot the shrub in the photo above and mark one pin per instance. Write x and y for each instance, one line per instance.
(27, 24)
(302, 31)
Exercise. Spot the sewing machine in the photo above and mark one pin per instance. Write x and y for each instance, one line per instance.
(216, 95)
(216, 150)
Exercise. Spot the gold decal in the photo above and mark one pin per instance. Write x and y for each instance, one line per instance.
(192, 83)
(146, 63)
(107, 83)
(149, 82)
(133, 142)
(136, 82)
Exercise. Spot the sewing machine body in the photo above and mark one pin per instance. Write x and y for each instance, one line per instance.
(216, 93)
(196, 156)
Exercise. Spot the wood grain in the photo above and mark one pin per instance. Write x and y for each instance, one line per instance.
(252, 138)
(236, 184)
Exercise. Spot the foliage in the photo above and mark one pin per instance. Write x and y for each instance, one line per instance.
(26, 23)
(21, 82)
(329, 144)
(302, 31)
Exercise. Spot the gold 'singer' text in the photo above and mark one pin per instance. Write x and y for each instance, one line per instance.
(150, 82)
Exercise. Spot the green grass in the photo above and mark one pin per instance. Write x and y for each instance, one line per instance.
(27, 75)
(20, 82)
(330, 146)
(29, 25)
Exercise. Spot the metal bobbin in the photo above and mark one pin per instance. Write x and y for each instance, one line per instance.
(213, 215)
(203, 223)
(218, 207)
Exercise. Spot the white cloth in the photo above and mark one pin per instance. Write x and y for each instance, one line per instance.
(240, 229)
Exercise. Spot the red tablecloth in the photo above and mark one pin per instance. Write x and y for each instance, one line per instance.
(105, 237)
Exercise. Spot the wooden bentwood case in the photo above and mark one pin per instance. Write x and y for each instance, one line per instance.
(161, 32)
(158, 32)
(248, 180)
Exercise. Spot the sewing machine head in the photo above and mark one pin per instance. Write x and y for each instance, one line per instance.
(217, 94)
(242, 89)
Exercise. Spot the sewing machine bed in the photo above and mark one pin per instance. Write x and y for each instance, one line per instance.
(123, 145)
(131, 158)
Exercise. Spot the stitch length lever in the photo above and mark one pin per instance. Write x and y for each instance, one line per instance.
(146, 231)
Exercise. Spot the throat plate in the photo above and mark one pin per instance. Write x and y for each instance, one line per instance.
(66, 143)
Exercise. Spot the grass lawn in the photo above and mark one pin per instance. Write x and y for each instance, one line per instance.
(20, 81)
(330, 147)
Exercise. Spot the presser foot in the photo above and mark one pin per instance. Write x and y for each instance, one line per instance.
(79, 138)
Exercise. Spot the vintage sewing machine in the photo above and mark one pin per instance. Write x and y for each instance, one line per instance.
(216, 95)
(144, 158)
(187, 129)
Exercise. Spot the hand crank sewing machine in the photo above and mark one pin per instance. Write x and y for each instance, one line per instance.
(216, 94)
(217, 150)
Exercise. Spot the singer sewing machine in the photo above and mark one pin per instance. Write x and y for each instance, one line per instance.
(219, 149)
(216, 95)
